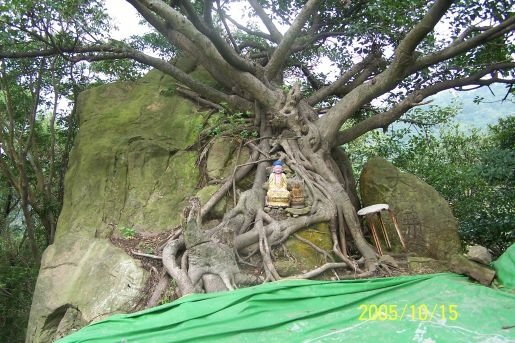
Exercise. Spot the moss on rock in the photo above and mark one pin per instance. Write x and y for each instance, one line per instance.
(129, 162)
(221, 159)
(131, 165)
(205, 194)
(301, 257)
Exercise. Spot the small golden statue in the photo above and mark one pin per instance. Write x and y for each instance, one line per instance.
(277, 194)
(297, 195)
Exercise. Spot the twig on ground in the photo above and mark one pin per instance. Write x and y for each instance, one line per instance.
(320, 270)
(137, 253)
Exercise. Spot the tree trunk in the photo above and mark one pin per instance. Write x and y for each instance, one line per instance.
(246, 230)
(29, 222)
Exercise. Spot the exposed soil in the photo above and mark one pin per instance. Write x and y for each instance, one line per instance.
(151, 244)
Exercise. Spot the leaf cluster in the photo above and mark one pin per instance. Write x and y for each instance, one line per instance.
(229, 123)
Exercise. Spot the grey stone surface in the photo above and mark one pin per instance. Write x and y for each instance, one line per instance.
(479, 254)
(425, 218)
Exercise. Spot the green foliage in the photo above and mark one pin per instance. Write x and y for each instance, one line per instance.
(228, 123)
(16, 289)
(246, 134)
(18, 271)
(472, 170)
(66, 20)
(170, 294)
(154, 42)
(127, 232)
(37, 135)
(15, 298)
(36, 138)
(117, 70)
(169, 91)
(503, 134)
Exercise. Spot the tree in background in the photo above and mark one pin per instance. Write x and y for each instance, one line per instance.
(18, 270)
(35, 140)
(385, 50)
(36, 134)
(492, 224)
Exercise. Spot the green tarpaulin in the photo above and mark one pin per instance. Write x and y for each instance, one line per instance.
(423, 308)
(505, 268)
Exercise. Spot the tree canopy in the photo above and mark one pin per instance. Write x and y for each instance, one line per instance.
(322, 72)
(401, 52)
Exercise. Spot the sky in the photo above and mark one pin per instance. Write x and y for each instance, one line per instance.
(125, 17)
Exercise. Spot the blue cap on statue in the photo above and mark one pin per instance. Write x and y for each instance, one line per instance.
(277, 163)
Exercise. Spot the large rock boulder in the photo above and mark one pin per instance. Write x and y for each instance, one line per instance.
(131, 163)
(479, 254)
(132, 167)
(81, 281)
(425, 218)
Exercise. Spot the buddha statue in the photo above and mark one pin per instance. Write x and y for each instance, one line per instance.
(277, 194)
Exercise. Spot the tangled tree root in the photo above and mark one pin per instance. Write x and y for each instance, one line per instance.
(207, 260)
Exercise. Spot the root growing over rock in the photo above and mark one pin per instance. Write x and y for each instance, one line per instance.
(209, 260)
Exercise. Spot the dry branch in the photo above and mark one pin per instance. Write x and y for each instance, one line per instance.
(137, 253)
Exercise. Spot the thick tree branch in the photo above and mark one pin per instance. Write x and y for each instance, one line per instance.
(199, 87)
(108, 51)
(388, 79)
(460, 46)
(267, 21)
(187, 37)
(404, 64)
(225, 50)
(384, 119)
(403, 53)
(255, 45)
(282, 52)
(54, 51)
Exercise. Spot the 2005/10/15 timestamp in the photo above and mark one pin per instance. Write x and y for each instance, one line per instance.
(421, 312)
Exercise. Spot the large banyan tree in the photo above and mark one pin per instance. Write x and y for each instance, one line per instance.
(313, 75)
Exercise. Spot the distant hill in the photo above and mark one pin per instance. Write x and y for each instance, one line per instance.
(487, 112)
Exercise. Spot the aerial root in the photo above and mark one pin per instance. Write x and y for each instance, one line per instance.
(264, 248)
(169, 256)
(162, 285)
(315, 272)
